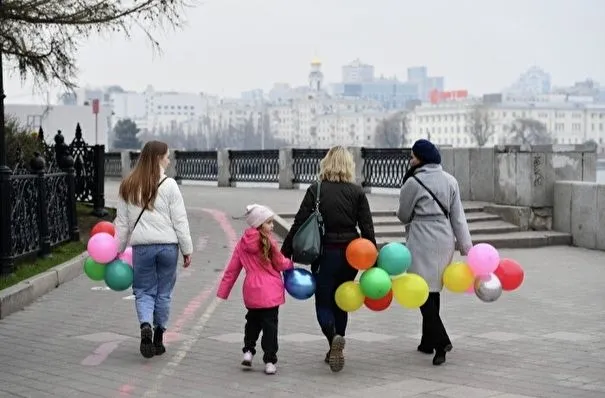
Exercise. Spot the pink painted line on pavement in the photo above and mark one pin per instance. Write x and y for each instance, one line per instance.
(195, 303)
(100, 354)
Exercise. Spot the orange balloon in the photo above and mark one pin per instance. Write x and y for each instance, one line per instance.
(361, 254)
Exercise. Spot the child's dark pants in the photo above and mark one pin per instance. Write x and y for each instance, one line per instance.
(265, 320)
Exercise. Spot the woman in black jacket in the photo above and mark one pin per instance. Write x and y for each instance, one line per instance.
(344, 207)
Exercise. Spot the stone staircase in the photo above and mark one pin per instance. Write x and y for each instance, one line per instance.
(485, 228)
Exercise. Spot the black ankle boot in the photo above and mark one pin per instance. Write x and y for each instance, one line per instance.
(147, 349)
(158, 341)
(439, 357)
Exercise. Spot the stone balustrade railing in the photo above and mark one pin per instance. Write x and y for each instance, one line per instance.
(516, 176)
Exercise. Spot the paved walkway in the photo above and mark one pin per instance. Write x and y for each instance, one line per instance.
(546, 340)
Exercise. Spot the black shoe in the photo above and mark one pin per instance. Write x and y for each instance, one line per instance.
(336, 359)
(425, 349)
(158, 341)
(147, 348)
(439, 357)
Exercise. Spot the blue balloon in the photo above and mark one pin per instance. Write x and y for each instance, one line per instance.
(299, 283)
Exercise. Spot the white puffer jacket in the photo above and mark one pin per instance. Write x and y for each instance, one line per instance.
(166, 223)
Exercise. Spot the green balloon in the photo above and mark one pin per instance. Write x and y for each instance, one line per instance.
(118, 275)
(94, 270)
(375, 283)
(395, 258)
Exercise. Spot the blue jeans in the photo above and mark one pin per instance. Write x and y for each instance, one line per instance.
(331, 270)
(154, 278)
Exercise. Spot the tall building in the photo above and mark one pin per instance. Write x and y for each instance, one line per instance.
(358, 81)
(532, 82)
(357, 72)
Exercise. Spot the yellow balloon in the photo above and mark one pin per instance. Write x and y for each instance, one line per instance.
(410, 291)
(349, 296)
(458, 277)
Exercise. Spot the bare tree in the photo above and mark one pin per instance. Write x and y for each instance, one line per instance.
(480, 125)
(40, 37)
(392, 131)
(529, 131)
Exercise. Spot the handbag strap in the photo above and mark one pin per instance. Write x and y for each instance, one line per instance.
(144, 207)
(317, 196)
(443, 209)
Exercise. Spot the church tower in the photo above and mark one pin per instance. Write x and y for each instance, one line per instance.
(316, 77)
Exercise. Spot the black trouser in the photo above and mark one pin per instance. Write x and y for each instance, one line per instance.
(434, 334)
(265, 320)
(331, 271)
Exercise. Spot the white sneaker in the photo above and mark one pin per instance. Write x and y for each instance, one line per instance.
(247, 360)
(270, 368)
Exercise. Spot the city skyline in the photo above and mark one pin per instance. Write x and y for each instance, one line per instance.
(225, 53)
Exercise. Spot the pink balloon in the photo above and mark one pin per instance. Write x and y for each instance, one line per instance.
(102, 247)
(483, 259)
(126, 256)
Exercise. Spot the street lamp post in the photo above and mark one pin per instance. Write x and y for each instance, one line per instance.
(6, 263)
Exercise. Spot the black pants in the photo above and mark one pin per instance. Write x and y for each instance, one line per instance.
(265, 320)
(331, 271)
(434, 334)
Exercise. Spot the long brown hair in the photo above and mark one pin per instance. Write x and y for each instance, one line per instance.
(265, 243)
(141, 185)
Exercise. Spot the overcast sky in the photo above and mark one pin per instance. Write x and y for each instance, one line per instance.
(231, 46)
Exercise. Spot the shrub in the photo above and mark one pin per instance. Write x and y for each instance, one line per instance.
(21, 144)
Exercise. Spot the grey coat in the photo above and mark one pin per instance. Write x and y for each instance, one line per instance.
(431, 237)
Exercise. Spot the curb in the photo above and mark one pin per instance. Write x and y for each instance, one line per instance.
(17, 297)
(281, 226)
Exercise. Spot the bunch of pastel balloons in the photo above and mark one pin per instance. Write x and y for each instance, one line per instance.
(484, 273)
(384, 277)
(104, 262)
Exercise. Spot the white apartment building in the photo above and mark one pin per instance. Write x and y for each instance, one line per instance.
(323, 121)
(448, 123)
(153, 110)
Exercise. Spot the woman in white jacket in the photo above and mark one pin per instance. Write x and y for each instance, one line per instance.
(151, 215)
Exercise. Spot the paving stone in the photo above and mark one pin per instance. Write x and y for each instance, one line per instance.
(531, 343)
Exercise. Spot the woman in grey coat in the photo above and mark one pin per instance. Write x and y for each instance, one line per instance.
(430, 203)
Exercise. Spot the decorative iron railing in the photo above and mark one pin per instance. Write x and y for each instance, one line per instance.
(43, 210)
(385, 167)
(134, 158)
(254, 165)
(113, 164)
(200, 165)
(305, 164)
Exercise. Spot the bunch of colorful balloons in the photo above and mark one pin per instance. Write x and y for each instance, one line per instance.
(384, 277)
(105, 263)
(484, 273)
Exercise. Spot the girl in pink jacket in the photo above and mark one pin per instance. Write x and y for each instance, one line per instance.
(263, 288)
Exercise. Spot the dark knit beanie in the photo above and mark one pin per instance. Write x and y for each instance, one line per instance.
(426, 152)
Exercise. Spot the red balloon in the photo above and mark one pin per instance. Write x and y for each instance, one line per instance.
(380, 304)
(103, 226)
(510, 274)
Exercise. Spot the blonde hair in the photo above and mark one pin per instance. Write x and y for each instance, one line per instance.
(337, 166)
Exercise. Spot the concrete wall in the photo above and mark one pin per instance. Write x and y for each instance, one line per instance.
(505, 175)
(579, 209)
(525, 176)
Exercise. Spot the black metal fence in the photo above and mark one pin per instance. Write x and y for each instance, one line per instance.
(382, 168)
(43, 192)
